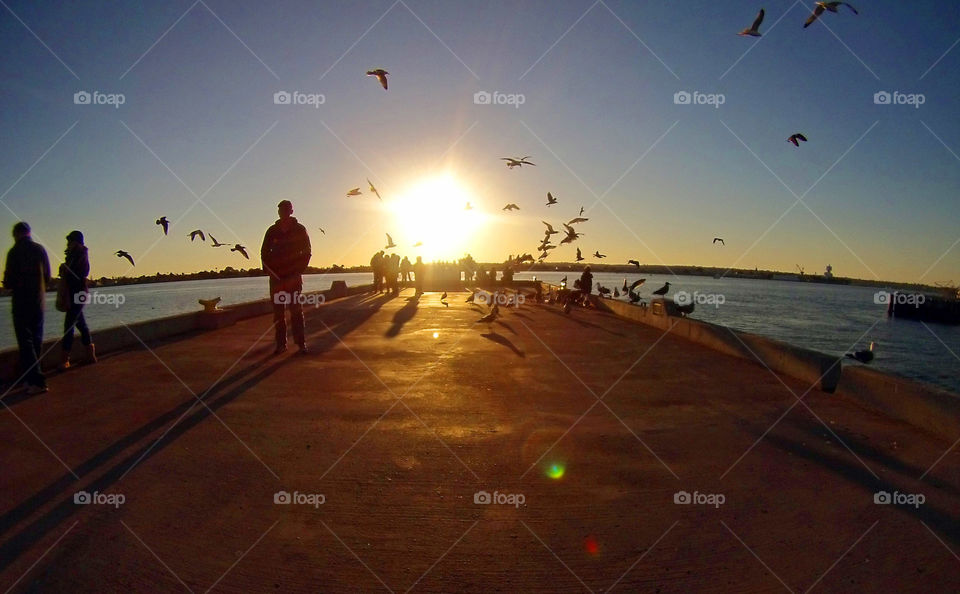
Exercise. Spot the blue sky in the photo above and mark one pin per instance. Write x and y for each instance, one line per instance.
(879, 183)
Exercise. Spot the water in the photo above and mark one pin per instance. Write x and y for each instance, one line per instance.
(834, 319)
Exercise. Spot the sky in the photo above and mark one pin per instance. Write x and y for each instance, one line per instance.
(589, 90)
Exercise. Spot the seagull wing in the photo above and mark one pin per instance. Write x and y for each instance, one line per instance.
(756, 23)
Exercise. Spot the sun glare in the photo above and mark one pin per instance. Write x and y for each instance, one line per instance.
(434, 211)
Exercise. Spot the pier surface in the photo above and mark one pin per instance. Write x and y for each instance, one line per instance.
(404, 410)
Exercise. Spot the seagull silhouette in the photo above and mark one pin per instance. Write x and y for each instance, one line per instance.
(636, 283)
(571, 237)
(577, 220)
(215, 242)
(418, 244)
(240, 249)
(381, 75)
(581, 212)
(550, 199)
(579, 255)
(123, 254)
(625, 289)
(354, 192)
(720, 239)
(194, 234)
(517, 162)
(321, 231)
(864, 356)
(163, 222)
(390, 243)
(372, 189)
(511, 206)
(663, 290)
(795, 137)
(634, 262)
(597, 254)
(826, 6)
(550, 229)
(754, 30)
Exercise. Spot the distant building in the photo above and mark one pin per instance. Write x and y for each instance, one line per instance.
(828, 273)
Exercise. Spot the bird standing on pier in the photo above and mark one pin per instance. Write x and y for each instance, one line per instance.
(864, 356)
(663, 290)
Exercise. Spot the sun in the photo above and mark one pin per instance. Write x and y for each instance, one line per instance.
(434, 211)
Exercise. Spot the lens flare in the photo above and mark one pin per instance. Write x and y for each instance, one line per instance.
(556, 470)
(591, 545)
(436, 335)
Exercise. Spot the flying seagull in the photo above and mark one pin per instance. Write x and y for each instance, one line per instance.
(597, 254)
(795, 137)
(511, 206)
(662, 290)
(418, 244)
(381, 75)
(550, 229)
(321, 231)
(195, 233)
(754, 30)
(215, 242)
(517, 162)
(163, 222)
(123, 254)
(390, 243)
(720, 239)
(372, 189)
(354, 192)
(826, 6)
(634, 262)
(241, 250)
(579, 255)
(550, 199)
(581, 212)
(577, 220)
(571, 237)
(635, 284)
(864, 356)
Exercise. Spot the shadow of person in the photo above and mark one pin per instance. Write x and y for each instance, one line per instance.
(500, 339)
(403, 315)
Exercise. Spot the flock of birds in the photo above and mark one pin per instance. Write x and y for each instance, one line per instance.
(164, 224)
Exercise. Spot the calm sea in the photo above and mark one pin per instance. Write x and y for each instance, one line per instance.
(833, 319)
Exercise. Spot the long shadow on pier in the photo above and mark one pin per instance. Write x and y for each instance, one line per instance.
(213, 396)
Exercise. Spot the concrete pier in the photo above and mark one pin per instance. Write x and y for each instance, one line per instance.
(616, 455)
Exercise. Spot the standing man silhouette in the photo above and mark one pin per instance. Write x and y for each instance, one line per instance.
(27, 275)
(285, 254)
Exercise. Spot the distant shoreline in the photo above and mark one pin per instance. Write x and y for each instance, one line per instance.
(684, 270)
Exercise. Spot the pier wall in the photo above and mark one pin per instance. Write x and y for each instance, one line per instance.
(135, 335)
